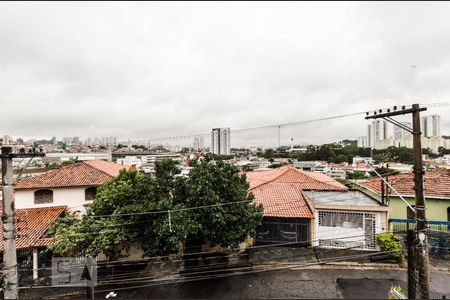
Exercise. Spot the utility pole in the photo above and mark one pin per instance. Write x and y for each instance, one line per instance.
(419, 265)
(11, 290)
(11, 285)
(421, 226)
(412, 274)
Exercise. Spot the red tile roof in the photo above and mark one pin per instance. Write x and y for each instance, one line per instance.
(283, 200)
(436, 184)
(289, 174)
(87, 173)
(107, 167)
(32, 224)
(280, 190)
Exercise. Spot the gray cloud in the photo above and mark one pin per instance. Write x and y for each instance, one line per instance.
(138, 70)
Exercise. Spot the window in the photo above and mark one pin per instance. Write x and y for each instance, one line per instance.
(351, 229)
(43, 196)
(338, 219)
(448, 214)
(89, 193)
(282, 230)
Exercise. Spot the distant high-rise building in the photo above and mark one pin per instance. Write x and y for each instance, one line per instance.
(54, 141)
(76, 140)
(199, 143)
(111, 141)
(376, 131)
(6, 139)
(363, 142)
(220, 141)
(431, 126)
(402, 134)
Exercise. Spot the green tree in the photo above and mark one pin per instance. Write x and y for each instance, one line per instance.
(214, 182)
(118, 218)
(340, 158)
(160, 213)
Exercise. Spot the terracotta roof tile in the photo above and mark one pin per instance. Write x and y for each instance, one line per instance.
(283, 200)
(289, 174)
(32, 224)
(80, 174)
(436, 184)
(107, 167)
(280, 190)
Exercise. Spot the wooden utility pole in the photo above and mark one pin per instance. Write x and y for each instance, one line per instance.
(421, 241)
(10, 287)
(417, 267)
(412, 274)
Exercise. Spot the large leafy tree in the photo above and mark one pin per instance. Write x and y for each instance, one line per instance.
(163, 213)
(228, 216)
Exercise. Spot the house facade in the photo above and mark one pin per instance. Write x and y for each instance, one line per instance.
(349, 219)
(32, 226)
(436, 189)
(288, 216)
(74, 186)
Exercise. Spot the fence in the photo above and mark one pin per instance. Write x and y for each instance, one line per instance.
(438, 233)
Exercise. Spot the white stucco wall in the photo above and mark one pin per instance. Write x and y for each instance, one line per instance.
(73, 197)
(347, 235)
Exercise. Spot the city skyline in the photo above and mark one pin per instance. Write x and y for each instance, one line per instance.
(108, 77)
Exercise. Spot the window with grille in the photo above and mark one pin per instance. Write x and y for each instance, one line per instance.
(43, 196)
(89, 193)
(351, 229)
(282, 230)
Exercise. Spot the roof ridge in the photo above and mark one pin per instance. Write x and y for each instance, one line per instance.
(78, 174)
(307, 173)
(104, 161)
(48, 172)
(88, 164)
(273, 179)
(44, 207)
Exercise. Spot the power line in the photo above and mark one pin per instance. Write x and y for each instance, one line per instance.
(329, 233)
(215, 276)
(218, 270)
(199, 207)
(273, 126)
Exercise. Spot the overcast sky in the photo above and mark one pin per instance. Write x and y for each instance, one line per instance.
(151, 70)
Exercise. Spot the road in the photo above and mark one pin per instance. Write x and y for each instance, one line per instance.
(322, 283)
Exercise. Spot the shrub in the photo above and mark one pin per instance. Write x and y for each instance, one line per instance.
(389, 243)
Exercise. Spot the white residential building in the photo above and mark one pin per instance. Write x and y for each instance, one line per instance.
(431, 126)
(73, 186)
(401, 134)
(199, 143)
(376, 131)
(220, 141)
(363, 142)
(131, 161)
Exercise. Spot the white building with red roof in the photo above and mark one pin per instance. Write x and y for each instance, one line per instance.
(287, 213)
(308, 208)
(73, 186)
